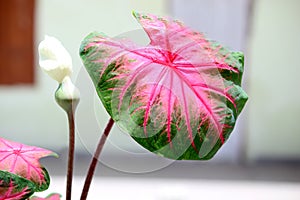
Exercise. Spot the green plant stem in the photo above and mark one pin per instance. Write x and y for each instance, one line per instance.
(95, 158)
(71, 154)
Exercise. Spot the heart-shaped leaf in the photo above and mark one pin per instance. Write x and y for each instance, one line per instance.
(14, 187)
(23, 161)
(179, 97)
(53, 196)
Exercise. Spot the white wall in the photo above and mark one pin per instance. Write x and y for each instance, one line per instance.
(274, 104)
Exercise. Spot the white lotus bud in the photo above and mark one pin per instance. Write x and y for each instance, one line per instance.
(54, 59)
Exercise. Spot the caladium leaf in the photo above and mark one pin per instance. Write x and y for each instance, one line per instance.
(178, 97)
(53, 196)
(23, 161)
(14, 187)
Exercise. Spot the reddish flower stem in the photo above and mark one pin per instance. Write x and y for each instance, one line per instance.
(71, 154)
(94, 161)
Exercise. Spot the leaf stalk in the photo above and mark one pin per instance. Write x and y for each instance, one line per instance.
(94, 162)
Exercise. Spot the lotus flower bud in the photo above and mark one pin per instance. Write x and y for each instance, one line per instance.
(54, 59)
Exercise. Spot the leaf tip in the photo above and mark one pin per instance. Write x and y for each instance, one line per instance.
(139, 16)
(53, 196)
(135, 14)
(55, 155)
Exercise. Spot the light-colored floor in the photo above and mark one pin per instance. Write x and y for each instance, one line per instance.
(178, 189)
(179, 180)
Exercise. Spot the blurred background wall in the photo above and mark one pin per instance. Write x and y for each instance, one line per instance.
(266, 30)
(273, 79)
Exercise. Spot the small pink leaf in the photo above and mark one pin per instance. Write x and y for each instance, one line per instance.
(53, 196)
(23, 161)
